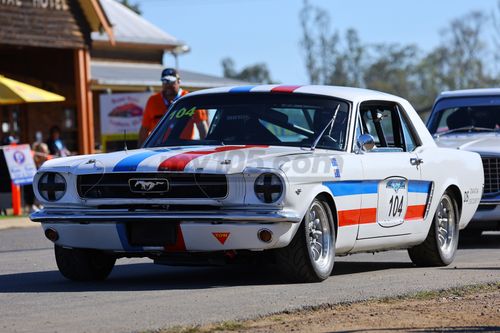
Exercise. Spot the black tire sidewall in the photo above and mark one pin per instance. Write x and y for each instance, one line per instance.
(83, 264)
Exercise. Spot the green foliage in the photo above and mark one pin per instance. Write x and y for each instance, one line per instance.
(461, 60)
(132, 6)
(256, 73)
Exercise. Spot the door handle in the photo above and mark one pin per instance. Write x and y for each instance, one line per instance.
(416, 161)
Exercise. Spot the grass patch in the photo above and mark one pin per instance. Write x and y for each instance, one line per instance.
(179, 329)
(8, 217)
(225, 326)
(229, 326)
(453, 292)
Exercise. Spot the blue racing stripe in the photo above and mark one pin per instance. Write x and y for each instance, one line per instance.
(242, 89)
(353, 187)
(419, 186)
(130, 163)
(122, 233)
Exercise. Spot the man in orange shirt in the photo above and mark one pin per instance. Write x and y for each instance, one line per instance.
(158, 104)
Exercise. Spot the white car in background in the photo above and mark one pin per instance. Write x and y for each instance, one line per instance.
(469, 120)
(302, 173)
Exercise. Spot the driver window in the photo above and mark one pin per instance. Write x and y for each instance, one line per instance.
(382, 121)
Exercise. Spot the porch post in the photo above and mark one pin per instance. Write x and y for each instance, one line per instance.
(85, 114)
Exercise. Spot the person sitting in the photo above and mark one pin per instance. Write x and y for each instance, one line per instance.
(55, 143)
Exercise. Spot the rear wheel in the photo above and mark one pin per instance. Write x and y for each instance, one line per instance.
(440, 246)
(83, 264)
(311, 254)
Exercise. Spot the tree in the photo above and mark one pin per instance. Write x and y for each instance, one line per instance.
(392, 69)
(256, 73)
(466, 51)
(462, 60)
(132, 6)
(330, 59)
(319, 45)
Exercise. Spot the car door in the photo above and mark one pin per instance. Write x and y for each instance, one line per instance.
(390, 171)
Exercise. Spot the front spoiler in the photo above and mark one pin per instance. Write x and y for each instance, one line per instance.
(112, 216)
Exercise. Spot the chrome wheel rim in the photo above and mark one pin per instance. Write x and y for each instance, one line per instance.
(446, 226)
(319, 237)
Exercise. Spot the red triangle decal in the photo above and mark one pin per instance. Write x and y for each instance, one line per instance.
(221, 236)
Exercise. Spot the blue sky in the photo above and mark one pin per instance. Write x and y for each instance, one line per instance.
(251, 31)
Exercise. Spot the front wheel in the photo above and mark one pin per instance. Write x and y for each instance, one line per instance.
(311, 254)
(83, 264)
(440, 246)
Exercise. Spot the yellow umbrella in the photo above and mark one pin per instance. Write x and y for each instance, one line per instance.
(15, 92)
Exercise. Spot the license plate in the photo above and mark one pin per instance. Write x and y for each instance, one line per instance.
(152, 233)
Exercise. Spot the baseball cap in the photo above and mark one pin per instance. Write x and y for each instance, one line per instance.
(169, 75)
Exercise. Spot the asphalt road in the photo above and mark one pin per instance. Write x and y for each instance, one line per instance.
(138, 296)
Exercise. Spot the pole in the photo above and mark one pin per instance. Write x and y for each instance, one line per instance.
(16, 199)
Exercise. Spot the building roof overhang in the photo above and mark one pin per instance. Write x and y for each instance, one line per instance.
(97, 18)
(127, 76)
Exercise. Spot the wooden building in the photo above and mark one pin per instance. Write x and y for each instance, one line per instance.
(46, 43)
(81, 49)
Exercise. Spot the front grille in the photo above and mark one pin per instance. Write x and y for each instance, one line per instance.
(180, 186)
(491, 167)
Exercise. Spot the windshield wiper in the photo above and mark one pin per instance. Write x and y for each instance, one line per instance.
(465, 128)
(318, 138)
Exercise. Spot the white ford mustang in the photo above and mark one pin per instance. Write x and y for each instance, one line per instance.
(302, 173)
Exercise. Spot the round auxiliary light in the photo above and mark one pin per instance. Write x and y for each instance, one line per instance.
(268, 187)
(52, 186)
(52, 234)
(265, 235)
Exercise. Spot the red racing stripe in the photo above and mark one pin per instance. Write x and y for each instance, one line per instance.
(285, 89)
(179, 246)
(179, 162)
(415, 212)
(357, 216)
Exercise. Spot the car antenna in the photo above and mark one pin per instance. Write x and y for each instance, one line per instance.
(316, 141)
(125, 139)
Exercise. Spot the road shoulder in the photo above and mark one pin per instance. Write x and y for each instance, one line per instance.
(16, 222)
(472, 308)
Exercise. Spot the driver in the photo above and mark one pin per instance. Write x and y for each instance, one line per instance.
(159, 103)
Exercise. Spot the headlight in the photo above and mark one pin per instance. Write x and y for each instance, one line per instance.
(268, 187)
(52, 186)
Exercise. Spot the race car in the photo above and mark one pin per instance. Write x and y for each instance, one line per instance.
(128, 110)
(296, 174)
(470, 120)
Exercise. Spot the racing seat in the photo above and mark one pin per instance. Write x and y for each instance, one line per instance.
(484, 118)
(335, 138)
(241, 126)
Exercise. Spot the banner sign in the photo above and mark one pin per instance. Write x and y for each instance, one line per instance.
(20, 162)
(120, 112)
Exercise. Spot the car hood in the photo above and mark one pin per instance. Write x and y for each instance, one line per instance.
(484, 143)
(206, 159)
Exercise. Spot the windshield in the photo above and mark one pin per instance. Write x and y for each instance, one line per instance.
(461, 116)
(254, 118)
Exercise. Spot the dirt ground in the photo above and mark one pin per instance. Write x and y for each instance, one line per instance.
(468, 309)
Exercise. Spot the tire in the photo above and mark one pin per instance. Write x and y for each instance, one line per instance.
(311, 254)
(440, 246)
(82, 264)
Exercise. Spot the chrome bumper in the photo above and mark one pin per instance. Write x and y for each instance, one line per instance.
(227, 216)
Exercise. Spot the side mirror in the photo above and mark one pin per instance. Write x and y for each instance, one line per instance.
(366, 142)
